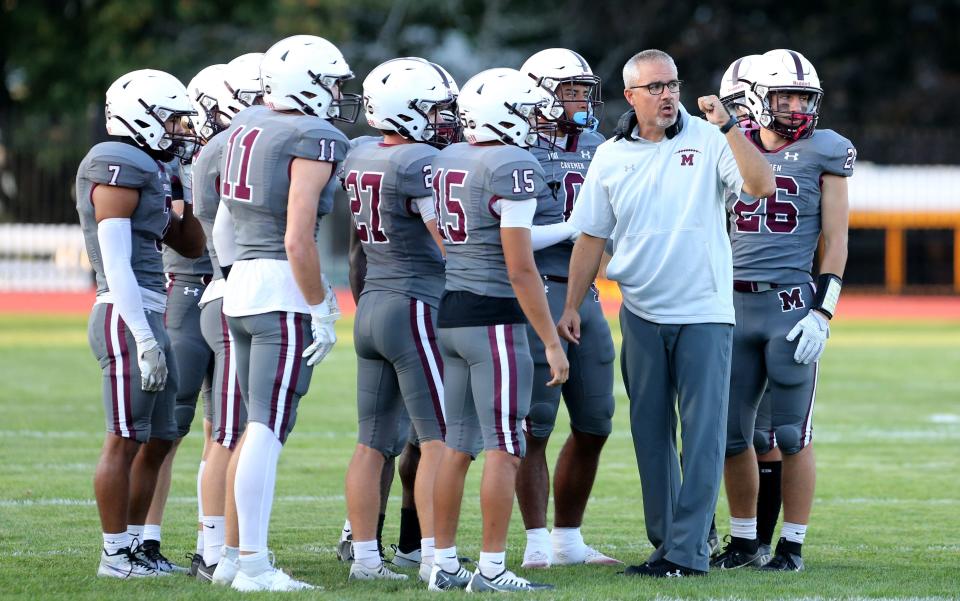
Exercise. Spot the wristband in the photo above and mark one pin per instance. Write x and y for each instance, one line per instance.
(828, 293)
(728, 125)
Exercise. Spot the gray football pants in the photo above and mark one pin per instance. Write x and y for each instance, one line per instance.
(666, 367)
(192, 353)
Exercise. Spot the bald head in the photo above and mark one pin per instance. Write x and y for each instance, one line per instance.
(645, 57)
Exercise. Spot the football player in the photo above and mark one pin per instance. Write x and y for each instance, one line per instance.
(388, 182)
(124, 202)
(187, 280)
(486, 191)
(276, 178)
(783, 313)
(574, 91)
(218, 97)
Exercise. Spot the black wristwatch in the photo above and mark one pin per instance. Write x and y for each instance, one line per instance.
(728, 125)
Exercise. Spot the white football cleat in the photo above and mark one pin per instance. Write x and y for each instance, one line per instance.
(583, 555)
(358, 571)
(123, 564)
(272, 579)
(536, 559)
(405, 560)
(226, 571)
(424, 572)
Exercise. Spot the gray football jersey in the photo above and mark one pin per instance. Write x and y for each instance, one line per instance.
(467, 182)
(564, 171)
(205, 187)
(120, 164)
(174, 262)
(261, 145)
(774, 238)
(382, 182)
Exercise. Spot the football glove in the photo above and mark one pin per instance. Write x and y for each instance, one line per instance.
(814, 329)
(322, 319)
(153, 365)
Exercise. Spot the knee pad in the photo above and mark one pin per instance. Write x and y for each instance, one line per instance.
(541, 418)
(762, 442)
(735, 447)
(789, 439)
(183, 413)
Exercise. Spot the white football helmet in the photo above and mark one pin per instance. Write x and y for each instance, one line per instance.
(503, 105)
(554, 66)
(206, 90)
(141, 103)
(785, 70)
(409, 96)
(306, 73)
(736, 79)
(242, 83)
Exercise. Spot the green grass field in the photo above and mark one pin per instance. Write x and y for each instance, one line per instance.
(886, 521)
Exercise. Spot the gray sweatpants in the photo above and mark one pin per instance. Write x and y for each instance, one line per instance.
(666, 367)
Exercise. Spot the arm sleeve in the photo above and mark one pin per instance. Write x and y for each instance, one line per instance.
(542, 236)
(116, 248)
(425, 208)
(593, 214)
(731, 182)
(517, 213)
(224, 241)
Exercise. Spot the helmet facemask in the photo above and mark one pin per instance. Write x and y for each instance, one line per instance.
(176, 144)
(443, 127)
(556, 109)
(792, 125)
(343, 107)
(215, 120)
(541, 132)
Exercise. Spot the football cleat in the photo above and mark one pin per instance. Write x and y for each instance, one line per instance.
(535, 559)
(765, 554)
(424, 572)
(662, 568)
(124, 564)
(345, 549)
(225, 571)
(442, 580)
(149, 551)
(196, 560)
(736, 554)
(272, 579)
(586, 555)
(358, 571)
(205, 573)
(504, 582)
(405, 560)
(713, 541)
(784, 560)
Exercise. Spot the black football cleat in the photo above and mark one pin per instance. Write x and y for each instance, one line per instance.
(662, 568)
(738, 553)
(786, 558)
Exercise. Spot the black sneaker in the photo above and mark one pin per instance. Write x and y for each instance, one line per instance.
(662, 568)
(738, 552)
(195, 561)
(205, 572)
(149, 551)
(786, 558)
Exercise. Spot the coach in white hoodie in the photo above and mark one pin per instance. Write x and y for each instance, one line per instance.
(657, 192)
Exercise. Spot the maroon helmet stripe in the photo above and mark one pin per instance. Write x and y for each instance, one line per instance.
(796, 60)
(736, 71)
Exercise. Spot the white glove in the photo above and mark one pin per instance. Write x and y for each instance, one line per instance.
(814, 329)
(322, 318)
(153, 365)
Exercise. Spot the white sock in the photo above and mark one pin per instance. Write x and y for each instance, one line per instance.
(743, 527)
(135, 532)
(256, 563)
(203, 464)
(427, 550)
(253, 487)
(347, 530)
(366, 553)
(538, 537)
(151, 532)
(567, 538)
(491, 564)
(199, 550)
(114, 542)
(447, 559)
(213, 535)
(795, 533)
(231, 553)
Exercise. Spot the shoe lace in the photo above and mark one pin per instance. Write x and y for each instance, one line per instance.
(508, 577)
(135, 555)
(153, 554)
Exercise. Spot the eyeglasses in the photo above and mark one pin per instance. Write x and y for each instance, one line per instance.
(656, 88)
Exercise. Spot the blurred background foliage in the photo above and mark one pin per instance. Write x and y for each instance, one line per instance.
(891, 70)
